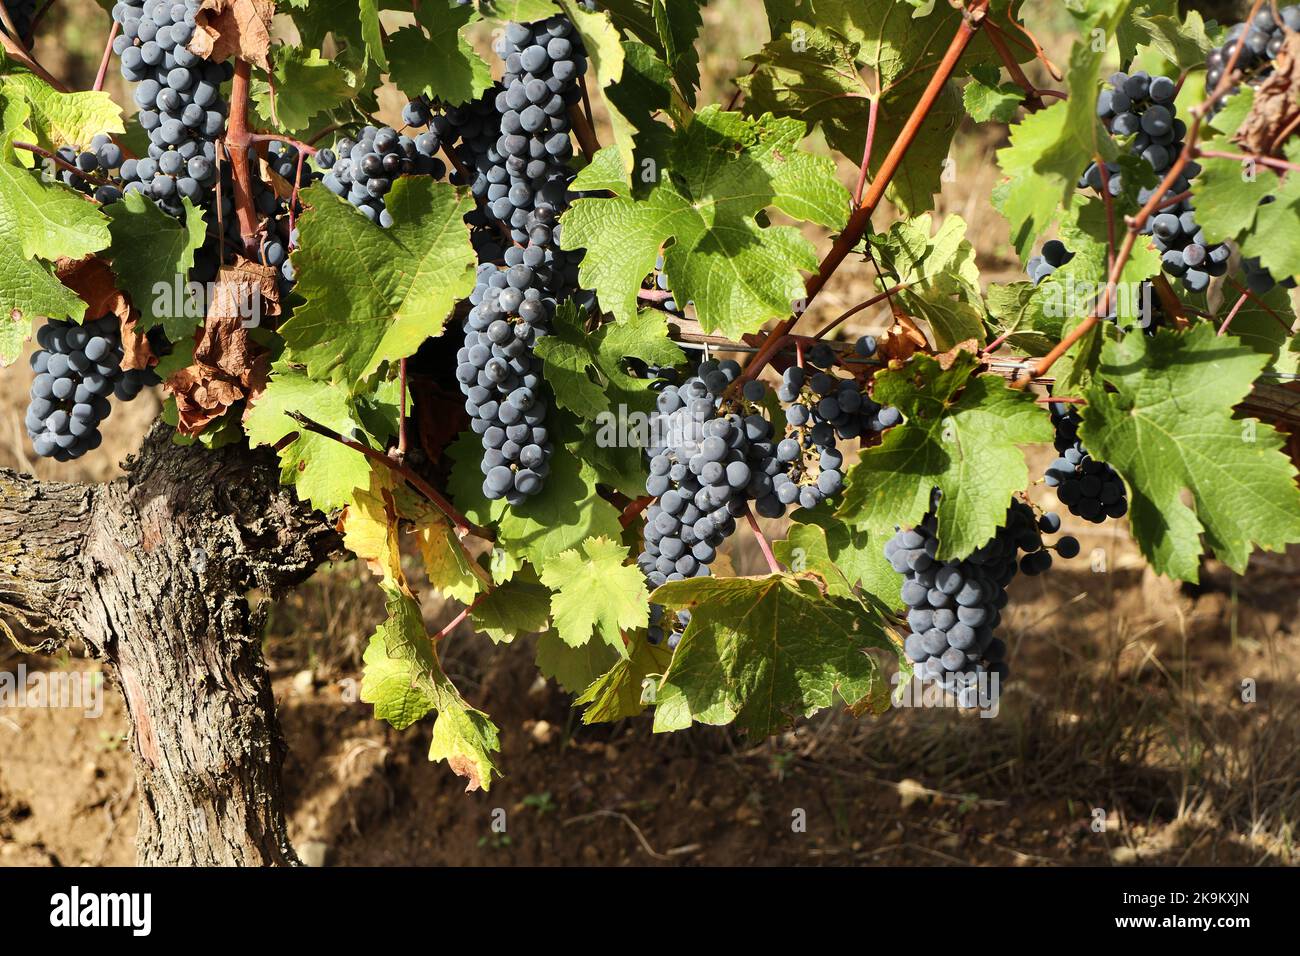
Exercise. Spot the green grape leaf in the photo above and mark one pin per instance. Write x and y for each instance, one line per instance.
(627, 688)
(518, 11)
(1275, 240)
(594, 593)
(451, 571)
(14, 334)
(943, 279)
(372, 32)
(588, 374)
(763, 651)
(1228, 193)
(1263, 324)
(678, 23)
(40, 221)
(1049, 148)
(323, 471)
(635, 102)
(1181, 43)
(63, 119)
(857, 52)
(435, 59)
(986, 98)
(574, 668)
(152, 253)
(306, 85)
(404, 680)
(521, 605)
(960, 435)
(1016, 311)
(818, 542)
(722, 171)
(566, 512)
(1176, 441)
(374, 295)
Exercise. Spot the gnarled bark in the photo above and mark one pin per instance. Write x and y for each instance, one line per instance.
(151, 571)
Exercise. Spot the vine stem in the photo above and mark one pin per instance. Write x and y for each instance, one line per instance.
(462, 524)
(1232, 313)
(256, 138)
(860, 219)
(582, 129)
(108, 55)
(238, 140)
(762, 541)
(401, 425)
(9, 25)
(872, 113)
(1261, 303)
(1109, 206)
(16, 50)
(634, 510)
(40, 15)
(454, 623)
(1249, 158)
(1033, 101)
(735, 97)
(879, 297)
(995, 344)
(1136, 223)
(59, 161)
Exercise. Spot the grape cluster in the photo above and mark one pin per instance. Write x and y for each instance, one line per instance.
(1091, 489)
(955, 606)
(821, 409)
(77, 368)
(103, 159)
(1264, 39)
(1142, 106)
(1053, 256)
(703, 468)
(501, 378)
(179, 95)
(528, 184)
(362, 170)
(521, 179)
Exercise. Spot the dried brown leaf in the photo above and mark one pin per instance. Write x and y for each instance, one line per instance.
(1277, 102)
(234, 28)
(228, 367)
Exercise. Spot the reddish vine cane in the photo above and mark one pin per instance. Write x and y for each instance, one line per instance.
(972, 18)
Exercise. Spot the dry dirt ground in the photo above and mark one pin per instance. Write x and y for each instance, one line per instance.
(1124, 737)
(1126, 706)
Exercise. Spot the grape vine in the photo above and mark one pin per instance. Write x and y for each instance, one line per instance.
(589, 339)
